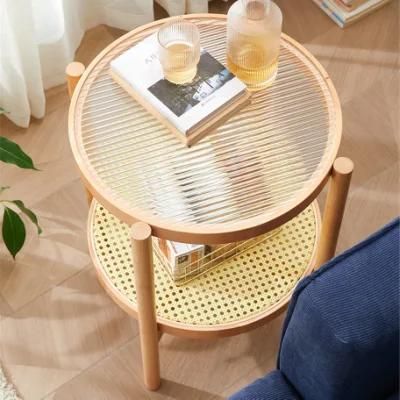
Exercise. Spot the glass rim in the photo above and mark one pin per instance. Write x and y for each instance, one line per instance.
(178, 20)
(256, 14)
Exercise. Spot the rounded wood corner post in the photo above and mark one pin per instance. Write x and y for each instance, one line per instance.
(334, 208)
(144, 277)
(89, 196)
(73, 71)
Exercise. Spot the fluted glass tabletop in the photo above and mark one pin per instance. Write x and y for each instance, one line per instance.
(265, 161)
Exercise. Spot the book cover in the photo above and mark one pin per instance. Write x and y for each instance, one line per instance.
(344, 6)
(344, 18)
(350, 5)
(353, 3)
(186, 106)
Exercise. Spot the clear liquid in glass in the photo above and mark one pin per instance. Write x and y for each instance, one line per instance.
(254, 30)
(180, 63)
(253, 61)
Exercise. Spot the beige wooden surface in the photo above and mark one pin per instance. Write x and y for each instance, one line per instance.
(144, 279)
(63, 338)
(335, 205)
(73, 72)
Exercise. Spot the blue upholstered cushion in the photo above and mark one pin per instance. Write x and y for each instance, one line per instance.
(274, 386)
(341, 334)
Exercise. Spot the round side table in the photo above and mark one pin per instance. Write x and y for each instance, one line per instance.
(262, 169)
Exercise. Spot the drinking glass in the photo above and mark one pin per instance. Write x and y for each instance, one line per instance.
(179, 50)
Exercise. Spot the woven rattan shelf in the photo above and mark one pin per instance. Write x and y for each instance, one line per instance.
(261, 169)
(238, 294)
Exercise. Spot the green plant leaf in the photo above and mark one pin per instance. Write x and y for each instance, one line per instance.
(2, 110)
(13, 231)
(29, 213)
(3, 188)
(11, 153)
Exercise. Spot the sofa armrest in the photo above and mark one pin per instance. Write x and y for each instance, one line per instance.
(273, 386)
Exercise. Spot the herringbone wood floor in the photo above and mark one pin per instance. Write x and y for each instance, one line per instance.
(62, 338)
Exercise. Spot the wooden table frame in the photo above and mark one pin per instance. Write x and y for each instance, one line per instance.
(339, 178)
(189, 232)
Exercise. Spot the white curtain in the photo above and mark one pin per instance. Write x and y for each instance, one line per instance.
(179, 7)
(38, 38)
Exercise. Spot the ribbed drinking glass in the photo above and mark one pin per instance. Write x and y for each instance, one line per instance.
(179, 50)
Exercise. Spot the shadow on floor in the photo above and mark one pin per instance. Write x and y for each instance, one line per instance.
(178, 391)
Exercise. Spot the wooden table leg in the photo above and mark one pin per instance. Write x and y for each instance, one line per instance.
(89, 196)
(144, 277)
(74, 71)
(334, 208)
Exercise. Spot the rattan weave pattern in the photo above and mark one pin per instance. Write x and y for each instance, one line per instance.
(274, 149)
(238, 289)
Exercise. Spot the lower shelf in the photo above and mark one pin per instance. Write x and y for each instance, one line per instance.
(239, 294)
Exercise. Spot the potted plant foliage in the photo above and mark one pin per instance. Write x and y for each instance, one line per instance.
(13, 227)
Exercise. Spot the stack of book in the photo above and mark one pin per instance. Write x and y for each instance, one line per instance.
(346, 12)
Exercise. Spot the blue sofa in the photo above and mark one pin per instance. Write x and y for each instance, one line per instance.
(340, 339)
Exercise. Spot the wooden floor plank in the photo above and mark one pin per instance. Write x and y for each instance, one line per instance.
(61, 333)
(195, 370)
